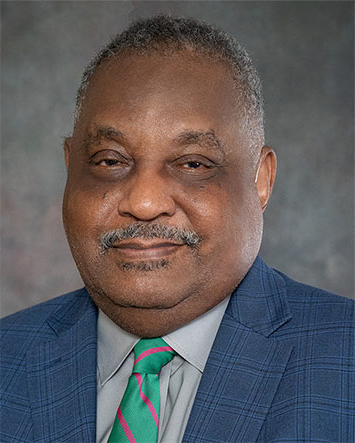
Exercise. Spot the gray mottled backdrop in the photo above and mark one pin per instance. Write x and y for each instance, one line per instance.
(304, 53)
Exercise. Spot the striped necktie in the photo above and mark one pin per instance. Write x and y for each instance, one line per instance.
(137, 418)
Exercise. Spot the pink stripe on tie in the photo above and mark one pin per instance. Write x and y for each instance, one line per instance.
(125, 426)
(152, 351)
(146, 399)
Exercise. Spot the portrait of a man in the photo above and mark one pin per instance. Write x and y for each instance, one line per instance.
(182, 332)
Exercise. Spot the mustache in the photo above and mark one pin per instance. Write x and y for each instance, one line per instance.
(149, 231)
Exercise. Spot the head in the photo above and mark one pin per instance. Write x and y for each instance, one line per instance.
(168, 175)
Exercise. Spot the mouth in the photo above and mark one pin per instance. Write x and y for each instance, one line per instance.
(147, 250)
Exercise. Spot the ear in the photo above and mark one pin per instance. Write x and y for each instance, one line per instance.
(67, 148)
(265, 175)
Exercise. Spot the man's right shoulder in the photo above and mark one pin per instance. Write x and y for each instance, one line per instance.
(24, 327)
(40, 344)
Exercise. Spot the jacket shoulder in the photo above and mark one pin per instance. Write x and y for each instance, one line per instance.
(321, 321)
(22, 328)
(317, 304)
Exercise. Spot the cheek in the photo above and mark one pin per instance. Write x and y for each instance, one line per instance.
(85, 213)
(228, 217)
(210, 212)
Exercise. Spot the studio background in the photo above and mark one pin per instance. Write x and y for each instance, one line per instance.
(304, 54)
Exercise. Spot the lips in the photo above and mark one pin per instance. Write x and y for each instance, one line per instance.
(147, 250)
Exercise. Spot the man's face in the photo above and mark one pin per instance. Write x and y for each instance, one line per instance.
(158, 148)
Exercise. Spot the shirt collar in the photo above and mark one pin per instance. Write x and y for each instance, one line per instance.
(194, 340)
(115, 344)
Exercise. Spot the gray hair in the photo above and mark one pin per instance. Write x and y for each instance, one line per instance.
(147, 232)
(165, 33)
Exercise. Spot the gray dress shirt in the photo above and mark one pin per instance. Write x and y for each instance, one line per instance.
(179, 379)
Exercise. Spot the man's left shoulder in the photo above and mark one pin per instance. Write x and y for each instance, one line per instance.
(316, 310)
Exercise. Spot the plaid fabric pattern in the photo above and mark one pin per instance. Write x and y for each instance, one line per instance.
(281, 368)
(48, 372)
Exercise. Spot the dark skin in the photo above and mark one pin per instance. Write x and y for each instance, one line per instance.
(159, 140)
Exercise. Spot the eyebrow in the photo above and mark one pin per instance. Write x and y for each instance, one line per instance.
(103, 132)
(188, 137)
(108, 131)
(203, 138)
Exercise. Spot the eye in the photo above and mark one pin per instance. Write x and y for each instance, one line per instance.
(193, 165)
(108, 159)
(107, 162)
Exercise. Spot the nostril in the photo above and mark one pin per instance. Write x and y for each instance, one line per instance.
(147, 195)
(147, 204)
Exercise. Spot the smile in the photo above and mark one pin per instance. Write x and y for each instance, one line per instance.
(147, 250)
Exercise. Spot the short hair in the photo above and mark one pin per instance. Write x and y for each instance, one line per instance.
(162, 33)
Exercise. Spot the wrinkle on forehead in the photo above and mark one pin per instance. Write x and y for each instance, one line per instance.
(166, 96)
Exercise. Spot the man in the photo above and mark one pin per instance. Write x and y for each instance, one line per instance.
(168, 178)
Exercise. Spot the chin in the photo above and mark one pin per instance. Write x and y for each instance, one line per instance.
(141, 293)
(147, 320)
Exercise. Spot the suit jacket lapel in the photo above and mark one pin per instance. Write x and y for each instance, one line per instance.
(61, 375)
(246, 363)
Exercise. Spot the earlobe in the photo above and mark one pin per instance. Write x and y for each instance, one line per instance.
(67, 147)
(265, 175)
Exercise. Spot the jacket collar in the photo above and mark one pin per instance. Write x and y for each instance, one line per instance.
(79, 307)
(260, 301)
(246, 362)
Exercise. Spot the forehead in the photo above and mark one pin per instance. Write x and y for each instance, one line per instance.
(162, 94)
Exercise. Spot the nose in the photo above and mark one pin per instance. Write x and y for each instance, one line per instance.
(146, 196)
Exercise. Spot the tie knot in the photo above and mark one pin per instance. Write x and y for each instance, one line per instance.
(151, 354)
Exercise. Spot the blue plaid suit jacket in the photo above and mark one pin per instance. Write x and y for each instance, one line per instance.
(281, 368)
